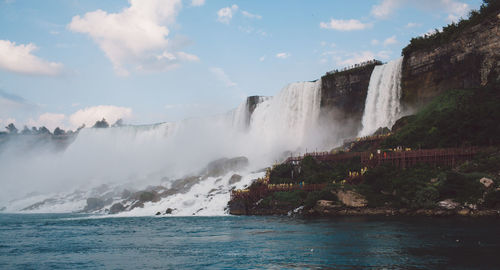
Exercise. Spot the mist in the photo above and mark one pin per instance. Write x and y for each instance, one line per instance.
(138, 156)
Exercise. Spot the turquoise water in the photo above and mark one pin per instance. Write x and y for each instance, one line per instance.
(68, 241)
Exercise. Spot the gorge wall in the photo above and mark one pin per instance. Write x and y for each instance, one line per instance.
(471, 59)
(343, 95)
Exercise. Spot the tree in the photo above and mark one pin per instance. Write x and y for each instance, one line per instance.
(80, 128)
(11, 129)
(59, 132)
(44, 130)
(101, 124)
(26, 131)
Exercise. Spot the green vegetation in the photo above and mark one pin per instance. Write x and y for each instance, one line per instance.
(455, 118)
(489, 8)
(294, 199)
(313, 172)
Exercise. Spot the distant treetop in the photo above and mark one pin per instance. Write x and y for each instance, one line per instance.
(489, 8)
(101, 124)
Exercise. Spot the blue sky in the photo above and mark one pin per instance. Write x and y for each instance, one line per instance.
(68, 62)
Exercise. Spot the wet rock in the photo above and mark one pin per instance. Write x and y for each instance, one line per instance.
(116, 208)
(224, 165)
(126, 194)
(146, 196)
(487, 183)
(158, 213)
(94, 204)
(137, 205)
(169, 211)
(448, 204)
(352, 199)
(471, 206)
(39, 204)
(464, 212)
(234, 179)
(183, 185)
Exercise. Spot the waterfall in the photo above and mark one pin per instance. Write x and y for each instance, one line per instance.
(103, 162)
(289, 118)
(382, 106)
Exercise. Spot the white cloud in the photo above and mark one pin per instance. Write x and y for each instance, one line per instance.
(197, 3)
(390, 41)
(344, 59)
(344, 25)
(224, 15)
(222, 76)
(375, 42)
(262, 58)
(187, 57)
(250, 15)
(356, 58)
(49, 120)
(412, 24)
(384, 55)
(19, 59)
(455, 8)
(282, 55)
(385, 8)
(136, 36)
(90, 115)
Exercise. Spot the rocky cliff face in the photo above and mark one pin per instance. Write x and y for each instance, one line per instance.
(343, 95)
(471, 60)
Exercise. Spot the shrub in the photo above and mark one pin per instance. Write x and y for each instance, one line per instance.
(426, 197)
(314, 196)
(492, 199)
(461, 186)
(455, 118)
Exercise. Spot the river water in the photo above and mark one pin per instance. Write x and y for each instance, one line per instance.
(70, 241)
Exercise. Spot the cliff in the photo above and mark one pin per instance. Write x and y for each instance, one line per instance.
(468, 59)
(343, 94)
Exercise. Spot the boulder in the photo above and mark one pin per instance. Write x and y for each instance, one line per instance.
(352, 199)
(324, 207)
(169, 211)
(464, 212)
(94, 204)
(222, 166)
(234, 179)
(487, 183)
(448, 204)
(137, 204)
(116, 208)
(126, 193)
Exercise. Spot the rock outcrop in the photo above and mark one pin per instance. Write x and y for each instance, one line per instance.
(351, 199)
(487, 183)
(343, 94)
(470, 60)
(224, 165)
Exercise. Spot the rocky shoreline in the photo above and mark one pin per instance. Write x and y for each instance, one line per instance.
(338, 211)
(325, 209)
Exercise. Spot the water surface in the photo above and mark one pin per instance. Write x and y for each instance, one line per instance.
(69, 241)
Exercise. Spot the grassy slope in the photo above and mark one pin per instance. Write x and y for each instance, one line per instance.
(455, 118)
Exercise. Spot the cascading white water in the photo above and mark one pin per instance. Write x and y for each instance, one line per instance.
(137, 157)
(288, 120)
(382, 106)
